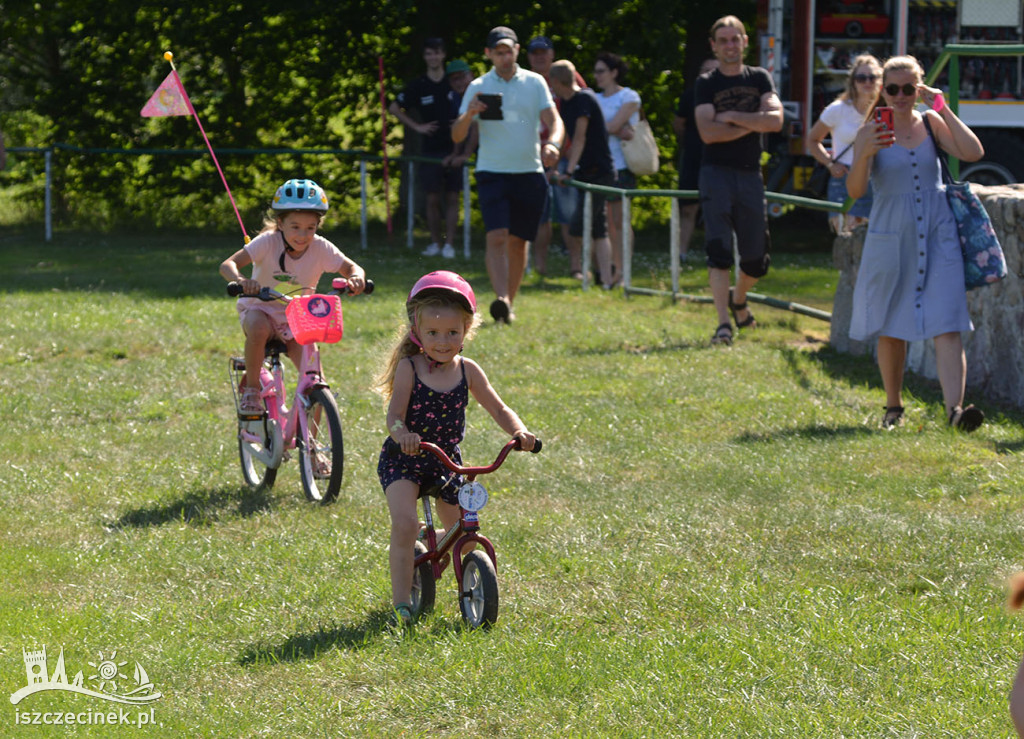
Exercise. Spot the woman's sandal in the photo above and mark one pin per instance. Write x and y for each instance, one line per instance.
(723, 334)
(893, 417)
(747, 322)
(966, 419)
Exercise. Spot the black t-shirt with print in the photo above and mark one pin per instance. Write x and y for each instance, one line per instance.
(741, 92)
(431, 100)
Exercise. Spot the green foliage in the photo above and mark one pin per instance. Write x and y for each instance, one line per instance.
(266, 75)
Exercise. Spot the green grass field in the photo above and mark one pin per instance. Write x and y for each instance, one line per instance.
(714, 541)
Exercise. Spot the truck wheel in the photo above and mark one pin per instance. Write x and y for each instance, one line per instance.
(1008, 148)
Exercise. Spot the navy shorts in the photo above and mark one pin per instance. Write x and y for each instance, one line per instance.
(733, 203)
(424, 469)
(438, 178)
(599, 222)
(513, 201)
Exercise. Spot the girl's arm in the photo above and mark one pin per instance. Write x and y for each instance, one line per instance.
(401, 391)
(354, 274)
(489, 399)
(231, 270)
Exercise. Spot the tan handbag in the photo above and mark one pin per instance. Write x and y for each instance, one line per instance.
(641, 151)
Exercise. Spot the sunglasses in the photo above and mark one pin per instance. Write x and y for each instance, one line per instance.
(908, 90)
(600, 71)
(865, 77)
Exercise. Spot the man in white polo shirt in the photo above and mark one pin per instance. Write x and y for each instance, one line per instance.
(510, 103)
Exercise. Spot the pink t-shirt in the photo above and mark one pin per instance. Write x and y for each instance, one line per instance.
(273, 268)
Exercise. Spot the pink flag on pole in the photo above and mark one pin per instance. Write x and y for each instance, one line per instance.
(167, 100)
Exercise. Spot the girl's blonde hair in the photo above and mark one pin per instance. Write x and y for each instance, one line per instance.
(895, 64)
(403, 345)
(850, 91)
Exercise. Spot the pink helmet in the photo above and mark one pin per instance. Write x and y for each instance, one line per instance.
(446, 282)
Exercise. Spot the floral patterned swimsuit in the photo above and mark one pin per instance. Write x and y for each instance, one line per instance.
(440, 418)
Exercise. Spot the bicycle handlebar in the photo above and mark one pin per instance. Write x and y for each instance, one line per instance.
(266, 294)
(438, 452)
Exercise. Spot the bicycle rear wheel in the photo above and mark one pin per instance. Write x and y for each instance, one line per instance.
(322, 451)
(478, 597)
(254, 456)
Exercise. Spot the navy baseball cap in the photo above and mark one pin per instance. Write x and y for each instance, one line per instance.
(539, 42)
(501, 35)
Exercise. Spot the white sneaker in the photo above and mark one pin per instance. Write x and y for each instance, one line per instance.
(448, 252)
(432, 251)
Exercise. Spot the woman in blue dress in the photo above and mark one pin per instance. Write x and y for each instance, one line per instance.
(910, 285)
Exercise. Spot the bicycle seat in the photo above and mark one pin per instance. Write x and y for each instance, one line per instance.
(275, 347)
(434, 490)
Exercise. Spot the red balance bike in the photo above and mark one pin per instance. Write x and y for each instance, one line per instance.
(475, 574)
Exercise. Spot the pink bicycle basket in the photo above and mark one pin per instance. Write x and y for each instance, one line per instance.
(315, 318)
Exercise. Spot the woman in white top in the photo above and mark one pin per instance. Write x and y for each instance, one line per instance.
(621, 108)
(843, 118)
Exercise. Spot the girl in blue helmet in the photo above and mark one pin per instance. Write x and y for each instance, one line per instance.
(427, 383)
(289, 257)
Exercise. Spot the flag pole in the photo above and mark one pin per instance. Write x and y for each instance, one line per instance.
(181, 87)
(384, 139)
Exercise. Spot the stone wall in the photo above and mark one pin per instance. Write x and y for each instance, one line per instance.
(995, 349)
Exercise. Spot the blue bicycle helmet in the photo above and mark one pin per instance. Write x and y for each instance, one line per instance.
(300, 195)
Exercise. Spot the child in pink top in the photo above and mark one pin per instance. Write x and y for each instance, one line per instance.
(287, 256)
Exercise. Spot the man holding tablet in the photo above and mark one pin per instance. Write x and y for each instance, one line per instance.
(510, 104)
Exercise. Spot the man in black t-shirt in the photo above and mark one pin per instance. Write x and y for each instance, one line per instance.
(735, 104)
(588, 160)
(429, 97)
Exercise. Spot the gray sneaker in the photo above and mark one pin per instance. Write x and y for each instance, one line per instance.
(448, 251)
(432, 250)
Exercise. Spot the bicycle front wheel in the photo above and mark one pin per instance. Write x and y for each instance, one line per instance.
(322, 450)
(424, 589)
(479, 591)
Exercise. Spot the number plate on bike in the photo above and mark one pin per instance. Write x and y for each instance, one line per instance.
(472, 496)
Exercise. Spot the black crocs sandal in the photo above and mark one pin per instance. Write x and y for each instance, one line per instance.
(749, 321)
(723, 334)
(966, 419)
(500, 310)
(893, 417)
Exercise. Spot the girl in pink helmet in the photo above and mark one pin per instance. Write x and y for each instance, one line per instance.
(427, 383)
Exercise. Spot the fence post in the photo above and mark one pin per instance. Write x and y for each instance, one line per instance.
(627, 243)
(48, 156)
(588, 236)
(410, 211)
(362, 203)
(465, 210)
(673, 245)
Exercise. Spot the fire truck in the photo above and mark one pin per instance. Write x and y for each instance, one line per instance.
(808, 46)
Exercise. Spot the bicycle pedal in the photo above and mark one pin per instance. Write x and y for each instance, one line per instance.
(250, 416)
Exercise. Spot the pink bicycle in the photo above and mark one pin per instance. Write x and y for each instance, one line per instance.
(313, 423)
(476, 574)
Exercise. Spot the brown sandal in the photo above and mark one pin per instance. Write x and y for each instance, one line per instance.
(723, 334)
(893, 417)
